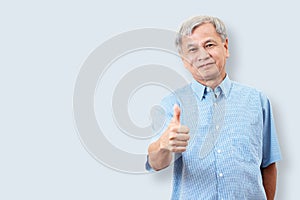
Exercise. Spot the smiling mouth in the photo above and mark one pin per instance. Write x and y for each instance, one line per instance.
(204, 65)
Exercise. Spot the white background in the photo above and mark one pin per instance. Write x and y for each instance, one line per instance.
(42, 47)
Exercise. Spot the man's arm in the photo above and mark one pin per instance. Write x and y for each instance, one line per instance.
(159, 157)
(269, 176)
(173, 140)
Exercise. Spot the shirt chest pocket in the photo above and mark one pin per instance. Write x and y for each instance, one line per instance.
(246, 139)
(241, 150)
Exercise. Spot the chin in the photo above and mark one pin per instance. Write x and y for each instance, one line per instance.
(208, 75)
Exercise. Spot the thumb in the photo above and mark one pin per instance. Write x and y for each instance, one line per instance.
(176, 115)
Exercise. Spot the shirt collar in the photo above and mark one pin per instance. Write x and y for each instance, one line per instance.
(201, 90)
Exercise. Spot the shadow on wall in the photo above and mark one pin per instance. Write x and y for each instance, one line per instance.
(283, 165)
(232, 64)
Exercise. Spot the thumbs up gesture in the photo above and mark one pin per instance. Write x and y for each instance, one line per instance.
(176, 115)
(175, 138)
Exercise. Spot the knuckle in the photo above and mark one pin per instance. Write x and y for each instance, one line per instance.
(182, 149)
(172, 149)
(172, 143)
(172, 135)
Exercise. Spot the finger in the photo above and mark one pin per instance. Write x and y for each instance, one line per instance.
(176, 115)
(183, 129)
(178, 149)
(182, 137)
(179, 136)
(178, 143)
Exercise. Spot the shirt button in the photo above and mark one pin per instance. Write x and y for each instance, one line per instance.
(217, 127)
(215, 104)
(207, 89)
(220, 174)
(219, 151)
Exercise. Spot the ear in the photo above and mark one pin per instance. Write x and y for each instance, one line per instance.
(226, 48)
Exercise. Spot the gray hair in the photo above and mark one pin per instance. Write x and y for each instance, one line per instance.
(189, 25)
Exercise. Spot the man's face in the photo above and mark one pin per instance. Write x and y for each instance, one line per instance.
(204, 54)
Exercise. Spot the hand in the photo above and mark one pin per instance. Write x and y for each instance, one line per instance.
(175, 138)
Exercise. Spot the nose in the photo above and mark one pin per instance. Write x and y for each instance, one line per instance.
(203, 54)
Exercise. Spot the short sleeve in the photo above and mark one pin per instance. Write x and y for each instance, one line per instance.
(271, 148)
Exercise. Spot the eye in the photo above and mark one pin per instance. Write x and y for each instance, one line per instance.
(192, 49)
(209, 45)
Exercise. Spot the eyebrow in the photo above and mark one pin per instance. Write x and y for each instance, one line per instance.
(191, 45)
(210, 40)
(194, 44)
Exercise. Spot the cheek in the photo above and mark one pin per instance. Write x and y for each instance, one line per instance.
(219, 58)
(194, 61)
(190, 60)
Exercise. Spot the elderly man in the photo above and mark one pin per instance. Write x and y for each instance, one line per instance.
(231, 152)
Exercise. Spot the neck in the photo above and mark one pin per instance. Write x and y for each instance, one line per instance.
(214, 82)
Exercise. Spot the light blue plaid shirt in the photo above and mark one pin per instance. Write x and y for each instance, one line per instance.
(233, 136)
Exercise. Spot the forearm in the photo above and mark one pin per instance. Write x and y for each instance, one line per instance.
(269, 176)
(158, 157)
